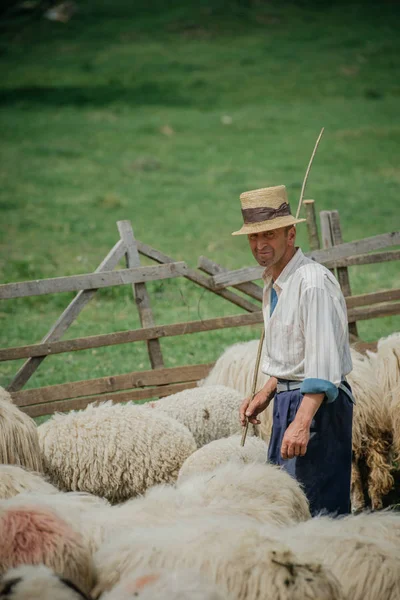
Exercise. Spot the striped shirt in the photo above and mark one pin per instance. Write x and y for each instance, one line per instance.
(306, 333)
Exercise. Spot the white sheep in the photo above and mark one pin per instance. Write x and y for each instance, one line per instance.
(16, 480)
(113, 451)
(32, 533)
(159, 584)
(366, 566)
(37, 583)
(261, 492)
(235, 369)
(222, 451)
(372, 434)
(230, 552)
(84, 513)
(210, 413)
(19, 443)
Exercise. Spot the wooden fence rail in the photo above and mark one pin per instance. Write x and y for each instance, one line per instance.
(91, 281)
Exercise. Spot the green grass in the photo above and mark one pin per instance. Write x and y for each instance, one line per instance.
(84, 108)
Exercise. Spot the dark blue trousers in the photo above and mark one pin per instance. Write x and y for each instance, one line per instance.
(325, 470)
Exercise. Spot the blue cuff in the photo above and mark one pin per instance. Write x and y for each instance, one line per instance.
(313, 385)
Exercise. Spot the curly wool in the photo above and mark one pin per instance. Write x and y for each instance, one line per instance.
(159, 584)
(16, 480)
(113, 451)
(261, 492)
(221, 451)
(230, 552)
(210, 413)
(372, 434)
(367, 568)
(235, 369)
(386, 365)
(86, 514)
(37, 583)
(19, 443)
(34, 534)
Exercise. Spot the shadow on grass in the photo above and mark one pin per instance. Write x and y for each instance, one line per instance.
(100, 95)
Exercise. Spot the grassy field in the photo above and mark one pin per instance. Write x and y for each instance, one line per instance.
(164, 116)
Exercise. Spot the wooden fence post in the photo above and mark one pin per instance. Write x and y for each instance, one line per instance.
(332, 236)
(140, 293)
(312, 229)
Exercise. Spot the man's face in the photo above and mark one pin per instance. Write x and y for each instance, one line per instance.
(270, 247)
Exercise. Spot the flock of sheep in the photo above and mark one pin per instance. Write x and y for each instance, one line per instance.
(161, 501)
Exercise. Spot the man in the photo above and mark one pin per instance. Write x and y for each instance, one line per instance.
(306, 355)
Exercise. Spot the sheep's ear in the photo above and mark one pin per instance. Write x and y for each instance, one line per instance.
(72, 586)
(7, 586)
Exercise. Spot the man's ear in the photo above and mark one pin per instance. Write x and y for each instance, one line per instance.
(292, 235)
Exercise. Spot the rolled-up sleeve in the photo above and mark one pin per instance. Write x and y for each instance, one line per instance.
(324, 323)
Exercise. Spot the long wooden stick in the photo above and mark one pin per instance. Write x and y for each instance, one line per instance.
(303, 188)
(254, 386)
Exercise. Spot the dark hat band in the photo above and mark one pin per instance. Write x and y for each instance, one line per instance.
(265, 213)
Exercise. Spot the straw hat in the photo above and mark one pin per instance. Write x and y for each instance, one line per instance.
(265, 209)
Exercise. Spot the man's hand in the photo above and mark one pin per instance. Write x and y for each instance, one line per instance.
(251, 408)
(295, 440)
(297, 435)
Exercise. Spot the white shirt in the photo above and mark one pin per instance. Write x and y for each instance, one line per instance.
(307, 334)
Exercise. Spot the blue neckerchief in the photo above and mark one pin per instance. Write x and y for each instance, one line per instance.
(274, 300)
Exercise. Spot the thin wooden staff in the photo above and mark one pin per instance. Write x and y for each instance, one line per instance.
(303, 187)
(254, 386)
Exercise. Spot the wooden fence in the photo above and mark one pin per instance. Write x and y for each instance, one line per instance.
(161, 381)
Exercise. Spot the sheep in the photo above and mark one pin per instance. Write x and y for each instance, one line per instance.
(221, 451)
(366, 566)
(113, 451)
(235, 369)
(261, 492)
(34, 534)
(84, 513)
(158, 584)
(230, 552)
(210, 413)
(37, 583)
(16, 480)
(372, 435)
(19, 443)
(381, 525)
(386, 364)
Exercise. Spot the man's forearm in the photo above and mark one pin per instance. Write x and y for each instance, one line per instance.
(308, 407)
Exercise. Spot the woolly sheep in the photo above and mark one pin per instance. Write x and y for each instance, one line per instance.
(16, 480)
(158, 585)
(235, 369)
(261, 492)
(113, 451)
(367, 568)
(37, 583)
(84, 513)
(222, 451)
(230, 552)
(386, 365)
(34, 534)
(18, 436)
(210, 413)
(372, 434)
